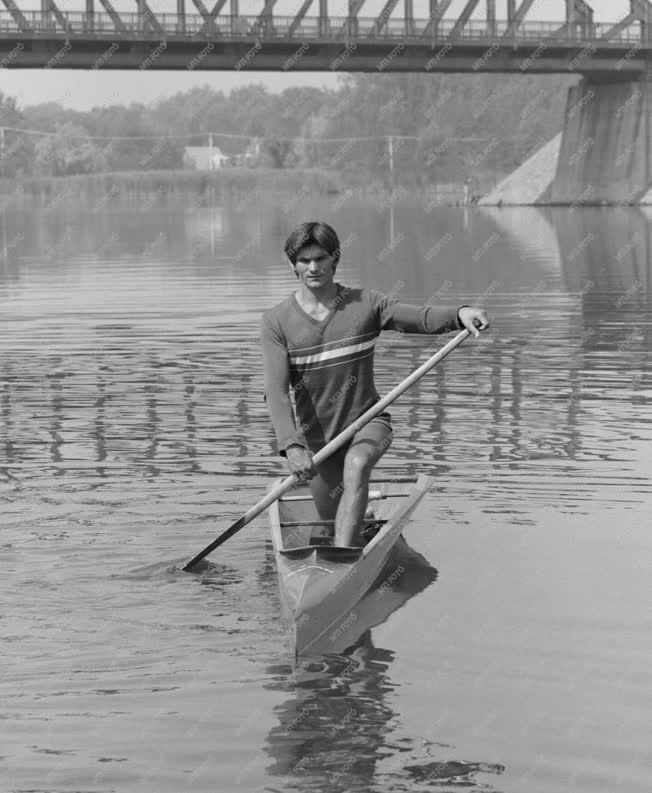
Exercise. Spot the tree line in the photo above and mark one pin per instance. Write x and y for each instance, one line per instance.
(385, 128)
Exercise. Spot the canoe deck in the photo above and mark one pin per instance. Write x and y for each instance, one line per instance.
(321, 584)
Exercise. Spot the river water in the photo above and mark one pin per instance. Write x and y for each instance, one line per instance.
(132, 431)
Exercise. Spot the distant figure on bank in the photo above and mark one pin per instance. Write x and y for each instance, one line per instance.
(320, 341)
(467, 191)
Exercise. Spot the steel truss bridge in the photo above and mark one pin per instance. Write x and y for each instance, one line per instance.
(392, 41)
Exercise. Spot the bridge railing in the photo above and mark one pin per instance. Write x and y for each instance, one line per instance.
(37, 24)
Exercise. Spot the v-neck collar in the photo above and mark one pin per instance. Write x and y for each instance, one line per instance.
(327, 318)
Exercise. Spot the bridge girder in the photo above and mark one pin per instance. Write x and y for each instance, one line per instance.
(639, 11)
(208, 16)
(17, 14)
(199, 5)
(227, 55)
(50, 7)
(643, 11)
(381, 19)
(351, 24)
(148, 16)
(435, 19)
(516, 16)
(267, 12)
(582, 11)
(491, 17)
(616, 29)
(354, 9)
(299, 17)
(115, 17)
(578, 29)
(439, 9)
(463, 18)
(578, 12)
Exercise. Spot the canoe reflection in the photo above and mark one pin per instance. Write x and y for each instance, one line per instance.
(332, 730)
(404, 574)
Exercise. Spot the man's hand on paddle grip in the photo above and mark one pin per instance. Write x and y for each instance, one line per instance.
(300, 463)
(473, 319)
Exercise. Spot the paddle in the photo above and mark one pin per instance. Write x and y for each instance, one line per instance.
(332, 446)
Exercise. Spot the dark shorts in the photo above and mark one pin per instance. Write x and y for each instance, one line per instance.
(327, 485)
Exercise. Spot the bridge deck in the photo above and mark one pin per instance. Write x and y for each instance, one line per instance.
(191, 41)
(235, 28)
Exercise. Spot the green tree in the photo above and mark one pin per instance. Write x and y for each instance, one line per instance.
(125, 133)
(16, 147)
(68, 151)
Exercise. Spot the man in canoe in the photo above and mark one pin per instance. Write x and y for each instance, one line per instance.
(320, 341)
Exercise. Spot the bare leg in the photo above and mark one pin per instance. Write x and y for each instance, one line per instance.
(327, 487)
(350, 513)
(358, 464)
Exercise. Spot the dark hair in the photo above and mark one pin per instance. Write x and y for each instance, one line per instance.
(312, 233)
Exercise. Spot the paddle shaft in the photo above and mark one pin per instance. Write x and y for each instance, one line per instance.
(332, 446)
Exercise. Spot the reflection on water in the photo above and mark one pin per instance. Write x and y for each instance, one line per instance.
(342, 697)
(136, 350)
(334, 725)
(334, 732)
(132, 430)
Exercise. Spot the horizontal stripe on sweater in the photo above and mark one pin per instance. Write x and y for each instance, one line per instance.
(330, 355)
(303, 371)
(343, 342)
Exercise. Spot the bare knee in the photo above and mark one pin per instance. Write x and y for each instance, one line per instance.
(357, 468)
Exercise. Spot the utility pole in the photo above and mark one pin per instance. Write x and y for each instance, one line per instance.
(2, 152)
(2, 174)
(390, 156)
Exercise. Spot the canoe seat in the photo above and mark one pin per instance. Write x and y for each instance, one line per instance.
(335, 552)
(371, 529)
(297, 524)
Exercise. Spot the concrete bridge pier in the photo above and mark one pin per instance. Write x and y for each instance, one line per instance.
(605, 154)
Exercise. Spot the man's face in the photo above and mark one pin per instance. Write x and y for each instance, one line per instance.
(314, 266)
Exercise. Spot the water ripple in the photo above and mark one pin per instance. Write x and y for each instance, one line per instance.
(133, 431)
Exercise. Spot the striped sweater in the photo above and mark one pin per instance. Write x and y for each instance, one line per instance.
(329, 363)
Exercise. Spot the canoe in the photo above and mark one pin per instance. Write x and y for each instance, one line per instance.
(405, 573)
(322, 584)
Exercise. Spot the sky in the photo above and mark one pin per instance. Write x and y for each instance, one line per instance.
(84, 89)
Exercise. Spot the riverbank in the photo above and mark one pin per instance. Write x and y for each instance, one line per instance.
(204, 188)
(209, 188)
